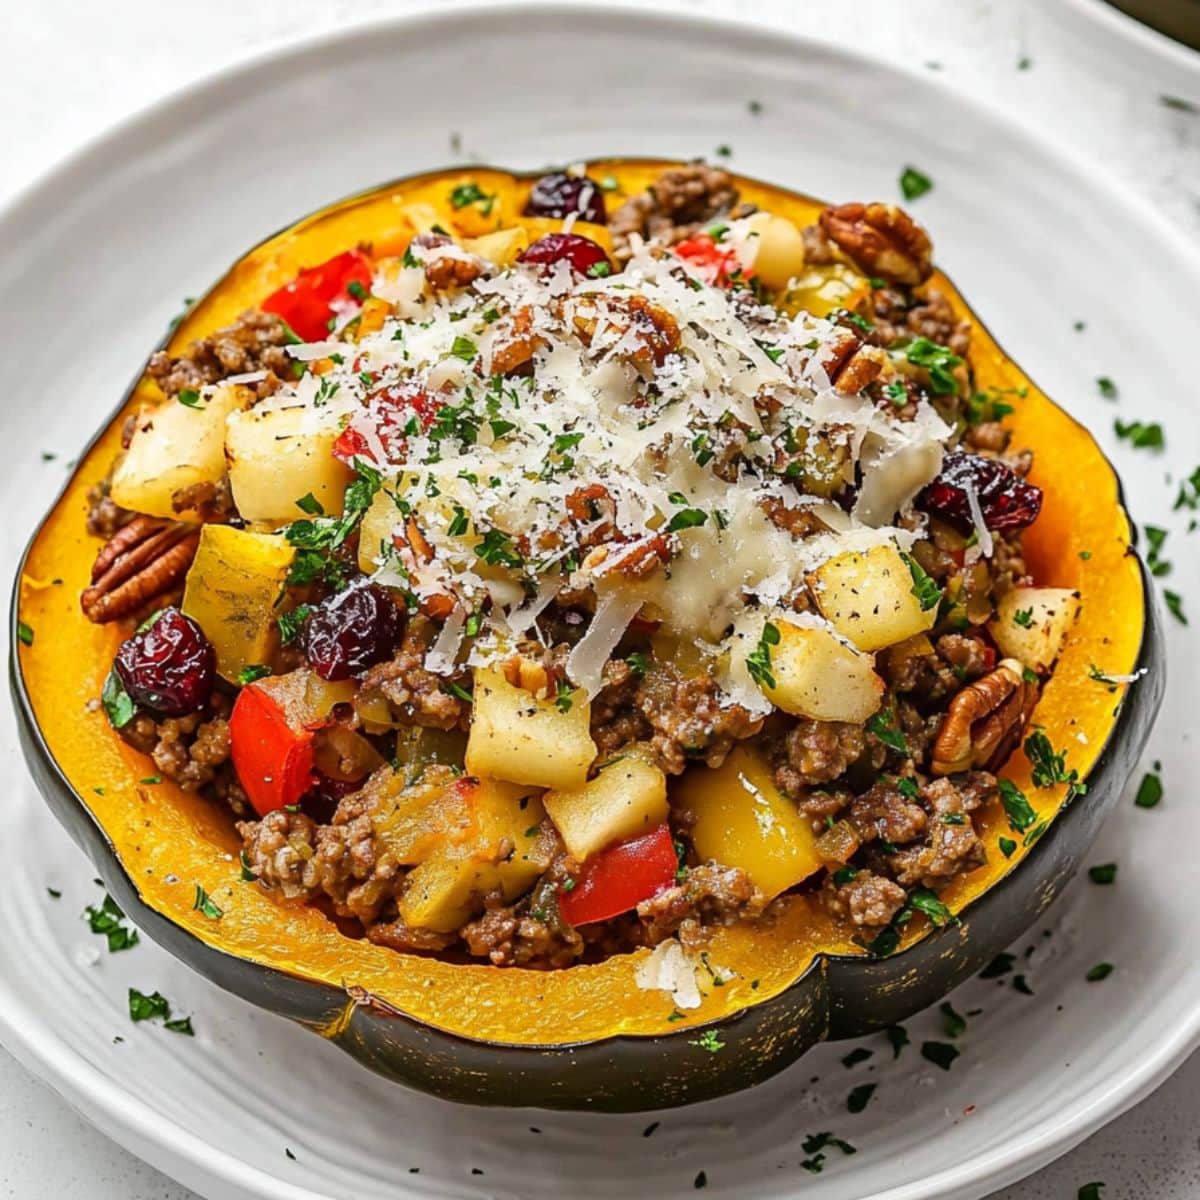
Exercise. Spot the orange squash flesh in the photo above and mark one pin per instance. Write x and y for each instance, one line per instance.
(168, 841)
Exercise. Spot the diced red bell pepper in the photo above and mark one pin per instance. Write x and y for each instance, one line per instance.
(308, 302)
(272, 753)
(620, 877)
(389, 412)
(716, 263)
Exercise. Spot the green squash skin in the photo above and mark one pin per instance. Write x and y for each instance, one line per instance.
(835, 997)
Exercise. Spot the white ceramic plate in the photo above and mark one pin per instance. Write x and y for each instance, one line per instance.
(99, 255)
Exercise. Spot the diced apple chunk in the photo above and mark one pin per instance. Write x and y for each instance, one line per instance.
(627, 797)
(173, 447)
(233, 592)
(818, 675)
(743, 820)
(1032, 624)
(868, 597)
(278, 456)
(779, 256)
(518, 737)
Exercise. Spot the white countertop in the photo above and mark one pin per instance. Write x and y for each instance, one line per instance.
(73, 69)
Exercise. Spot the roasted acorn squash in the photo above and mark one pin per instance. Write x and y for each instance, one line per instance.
(586, 1036)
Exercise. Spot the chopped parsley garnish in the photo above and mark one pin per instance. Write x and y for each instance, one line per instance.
(859, 1097)
(896, 392)
(24, 633)
(459, 522)
(1142, 435)
(250, 674)
(1150, 790)
(181, 1025)
(1000, 965)
(897, 1037)
(248, 872)
(565, 696)
(701, 1180)
(107, 920)
(953, 1022)
(116, 701)
(926, 901)
(205, 904)
(147, 1008)
(1099, 971)
(815, 1144)
(1023, 617)
(724, 151)
(914, 183)
(1174, 603)
(317, 538)
(1021, 814)
(290, 623)
(1007, 846)
(458, 692)
(496, 549)
(883, 726)
(638, 663)
(1090, 1191)
(1156, 538)
(308, 503)
(1103, 873)
(709, 1041)
(464, 348)
(1106, 387)
(54, 893)
(758, 661)
(472, 193)
(938, 361)
(857, 320)
(599, 270)
(1050, 766)
(1020, 984)
(941, 1054)
(843, 876)
(188, 397)
(924, 588)
(908, 786)
(857, 1055)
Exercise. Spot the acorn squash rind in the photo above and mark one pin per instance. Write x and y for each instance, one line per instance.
(624, 1062)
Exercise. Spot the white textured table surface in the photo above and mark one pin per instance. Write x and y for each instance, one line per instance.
(72, 69)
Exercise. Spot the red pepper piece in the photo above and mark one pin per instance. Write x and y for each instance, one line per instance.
(309, 302)
(389, 412)
(715, 263)
(272, 754)
(620, 877)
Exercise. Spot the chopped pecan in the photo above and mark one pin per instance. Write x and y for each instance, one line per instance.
(449, 270)
(142, 561)
(516, 344)
(652, 332)
(985, 720)
(634, 560)
(881, 240)
(851, 364)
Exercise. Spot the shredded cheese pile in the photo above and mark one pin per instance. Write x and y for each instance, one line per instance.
(633, 457)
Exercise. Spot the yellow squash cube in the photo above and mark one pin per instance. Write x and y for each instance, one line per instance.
(518, 737)
(743, 820)
(868, 597)
(234, 591)
(627, 797)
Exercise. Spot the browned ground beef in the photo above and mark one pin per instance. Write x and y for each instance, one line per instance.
(868, 901)
(417, 696)
(951, 844)
(681, 716)
(898, 313)
(680, 202)
(254, 342)
(105, 516)
(187, 750)
(708, 895)
(815, 752)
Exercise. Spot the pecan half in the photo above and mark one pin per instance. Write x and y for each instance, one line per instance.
(882, 240)
(644, 331)
(851, 364)
(143, 560)
(985, 720)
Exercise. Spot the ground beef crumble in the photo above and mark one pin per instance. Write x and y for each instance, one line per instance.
(187, 750)
(254, 342)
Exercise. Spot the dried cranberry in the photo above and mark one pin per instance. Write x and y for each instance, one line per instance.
(169, 666)
(559, 195)
(582, 253)
(1005, 499)
(351, 631)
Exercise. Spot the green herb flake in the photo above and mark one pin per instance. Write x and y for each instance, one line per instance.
(708, 1041)
(941, 1054)
(116, 701)
(290, 623)
(954, 1024)
(939, 361)
(308, 503)
(1007, 846)
(1050, 766)
(464, 348)
(1106, 387)
(54, 893)
(883, 726)
(1150, 790)
(926, 591)
(1099, 971)
(926, 901)
(857, 1055)
(1000, 965)
(843, 876)
(914, 183)
(638, 663)
(565, 696)
(1141, 435)
(253, 672)
(1023, 617)
(188, 397)
(1174, 603)
(24, 633)
(1019, 984)
(758, 661)
(859, 1097)
(701, 1180)
(1021, 814)
(147, 1008)
(107, 920)
(897, 1036)
(248, 874)
(1103, 873)
(204, 903)
(1090, 1191)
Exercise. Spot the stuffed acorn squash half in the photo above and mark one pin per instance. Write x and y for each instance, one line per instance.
(589, 636)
